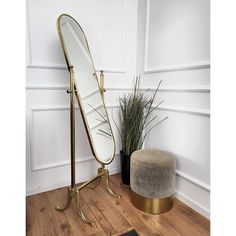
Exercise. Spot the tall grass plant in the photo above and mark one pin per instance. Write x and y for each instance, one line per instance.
(137, 119)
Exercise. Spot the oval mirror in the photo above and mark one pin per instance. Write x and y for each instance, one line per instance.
(88, 93)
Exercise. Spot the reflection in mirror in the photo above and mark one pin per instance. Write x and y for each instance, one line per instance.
(89, 97)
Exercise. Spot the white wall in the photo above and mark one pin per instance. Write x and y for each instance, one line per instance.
(111, 29)
(173, 44)
(166, 40)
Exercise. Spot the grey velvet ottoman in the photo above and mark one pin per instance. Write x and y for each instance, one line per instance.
(152, 180)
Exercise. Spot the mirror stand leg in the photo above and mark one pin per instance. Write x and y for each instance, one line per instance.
(74, 194)
(68, 202)
(81, 214)
(106, 173)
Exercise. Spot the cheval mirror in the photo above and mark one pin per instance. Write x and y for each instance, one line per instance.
(85, 88)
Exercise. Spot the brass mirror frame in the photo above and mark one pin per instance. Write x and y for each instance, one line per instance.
(73, 192)
(101, 89)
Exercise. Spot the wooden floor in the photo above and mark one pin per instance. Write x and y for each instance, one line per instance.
(112, 216)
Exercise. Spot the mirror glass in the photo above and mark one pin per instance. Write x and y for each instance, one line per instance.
(88, 93)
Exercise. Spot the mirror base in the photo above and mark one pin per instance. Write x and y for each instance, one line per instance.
(102, 173)
(73, 193)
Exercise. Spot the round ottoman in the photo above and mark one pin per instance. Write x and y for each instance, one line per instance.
(152, 180)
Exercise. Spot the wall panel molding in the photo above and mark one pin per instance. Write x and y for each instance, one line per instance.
(181, 67)
(191, 89)
(32, 148)
(47, 86)
(172, 88)
(168, 68)
(193, 180)
(56, 66)
(35, 167)
(187, 110)
(60, 163)
(64, 67)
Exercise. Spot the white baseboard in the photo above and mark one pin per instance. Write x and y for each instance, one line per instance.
(194, 205)
(64, 184)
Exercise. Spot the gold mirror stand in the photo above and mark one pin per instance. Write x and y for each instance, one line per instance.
(73, 192)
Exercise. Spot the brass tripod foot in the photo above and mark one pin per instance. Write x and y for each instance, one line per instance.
(74, 194)
(106, 174)
(81, 214)
(63, 208)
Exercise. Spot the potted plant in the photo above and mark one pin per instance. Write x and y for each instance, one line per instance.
(136, 121)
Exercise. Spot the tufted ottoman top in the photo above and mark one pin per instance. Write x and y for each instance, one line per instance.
(151, 157)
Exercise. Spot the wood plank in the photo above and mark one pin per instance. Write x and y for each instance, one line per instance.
(140, 219)
(182, 221)
(106, 214)
(32, 223)
(78, 226)
(111, 215)
(127, 212)
(191, 215)
(51, 222)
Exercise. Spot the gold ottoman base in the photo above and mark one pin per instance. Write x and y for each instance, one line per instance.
(151, 205)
